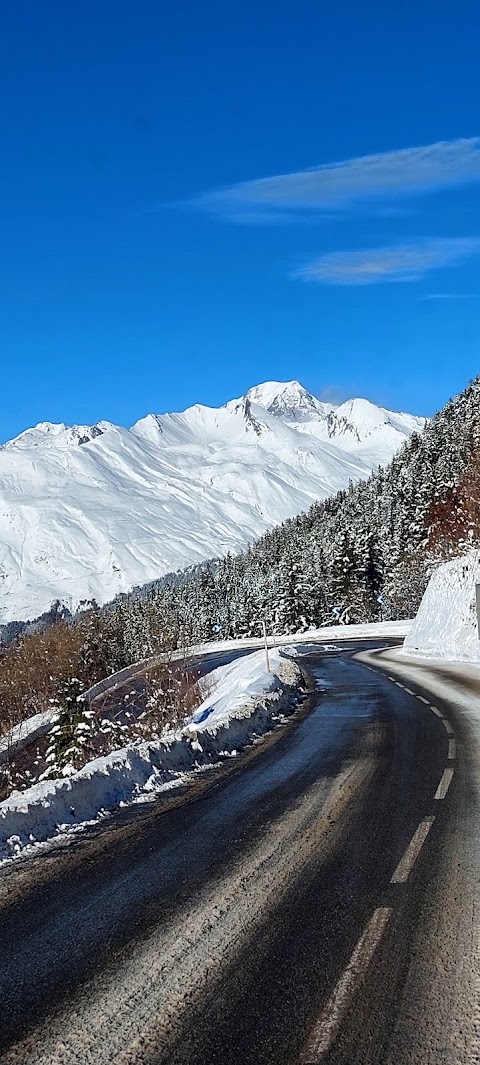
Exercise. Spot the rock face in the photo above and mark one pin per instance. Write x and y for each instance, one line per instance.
(90, 511)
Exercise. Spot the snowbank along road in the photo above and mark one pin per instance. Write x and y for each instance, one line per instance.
(314, 902)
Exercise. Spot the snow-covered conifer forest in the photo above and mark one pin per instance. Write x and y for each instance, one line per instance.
(361, 555)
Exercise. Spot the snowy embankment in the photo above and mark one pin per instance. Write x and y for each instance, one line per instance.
(446, 624)
(243, 702)
(38, 725)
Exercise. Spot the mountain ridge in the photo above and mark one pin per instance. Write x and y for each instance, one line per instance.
(91, 511)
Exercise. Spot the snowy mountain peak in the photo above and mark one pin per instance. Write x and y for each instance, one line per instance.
(356, 425)
(149, 428)
(360, 419)
(288, 399)
(57, 434)
(243, 407)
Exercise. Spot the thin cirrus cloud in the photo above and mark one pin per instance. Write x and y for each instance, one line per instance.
(401, 262)
(451, 296)
(337, 186)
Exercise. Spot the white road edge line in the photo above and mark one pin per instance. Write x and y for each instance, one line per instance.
(447, 726)
(444, 783)
(452, 749)
(410, 856)
(436, 711)
(409, 690)
(327, 1026)
(421, 699)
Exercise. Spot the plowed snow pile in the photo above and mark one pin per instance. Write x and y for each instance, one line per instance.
(446, 623)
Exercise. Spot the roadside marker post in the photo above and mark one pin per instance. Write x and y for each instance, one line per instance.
(267, 659)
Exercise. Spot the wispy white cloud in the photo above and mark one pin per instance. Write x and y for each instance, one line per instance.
(451, 296)
(402, 262)
(407, 172)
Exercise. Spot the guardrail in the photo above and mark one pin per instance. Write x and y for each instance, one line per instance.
(115, 679)
(399, 628)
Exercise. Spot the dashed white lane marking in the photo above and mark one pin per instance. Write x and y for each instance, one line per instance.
(329, 1022)
(444, 784)
(327, 1026)
(408, 860)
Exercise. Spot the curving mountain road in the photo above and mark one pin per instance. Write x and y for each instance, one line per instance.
(312, 901)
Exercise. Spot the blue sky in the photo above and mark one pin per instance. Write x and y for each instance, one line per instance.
(175, 224)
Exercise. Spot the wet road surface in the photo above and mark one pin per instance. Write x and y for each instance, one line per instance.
(311, 904)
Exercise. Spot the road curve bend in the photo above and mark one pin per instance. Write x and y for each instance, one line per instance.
(315, 903)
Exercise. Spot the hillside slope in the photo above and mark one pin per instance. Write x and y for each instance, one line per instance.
(91, 511)
(364, 554)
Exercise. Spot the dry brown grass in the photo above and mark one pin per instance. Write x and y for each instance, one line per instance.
(172, 692)
(31, 670)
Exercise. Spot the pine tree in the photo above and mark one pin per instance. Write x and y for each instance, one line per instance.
(70, 738)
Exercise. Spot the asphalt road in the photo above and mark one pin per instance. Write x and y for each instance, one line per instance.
(312, 901)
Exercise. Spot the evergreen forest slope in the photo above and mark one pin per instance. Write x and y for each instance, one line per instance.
(361, 555)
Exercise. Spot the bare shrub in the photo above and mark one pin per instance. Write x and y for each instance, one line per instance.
(173, 691)
(31, 671)
(42, 670)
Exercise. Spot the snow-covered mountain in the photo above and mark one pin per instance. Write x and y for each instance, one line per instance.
(89, 511)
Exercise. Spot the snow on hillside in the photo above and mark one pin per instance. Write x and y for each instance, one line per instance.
(357, 426)
(446, 623)
(90, 511)
(288, 399)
